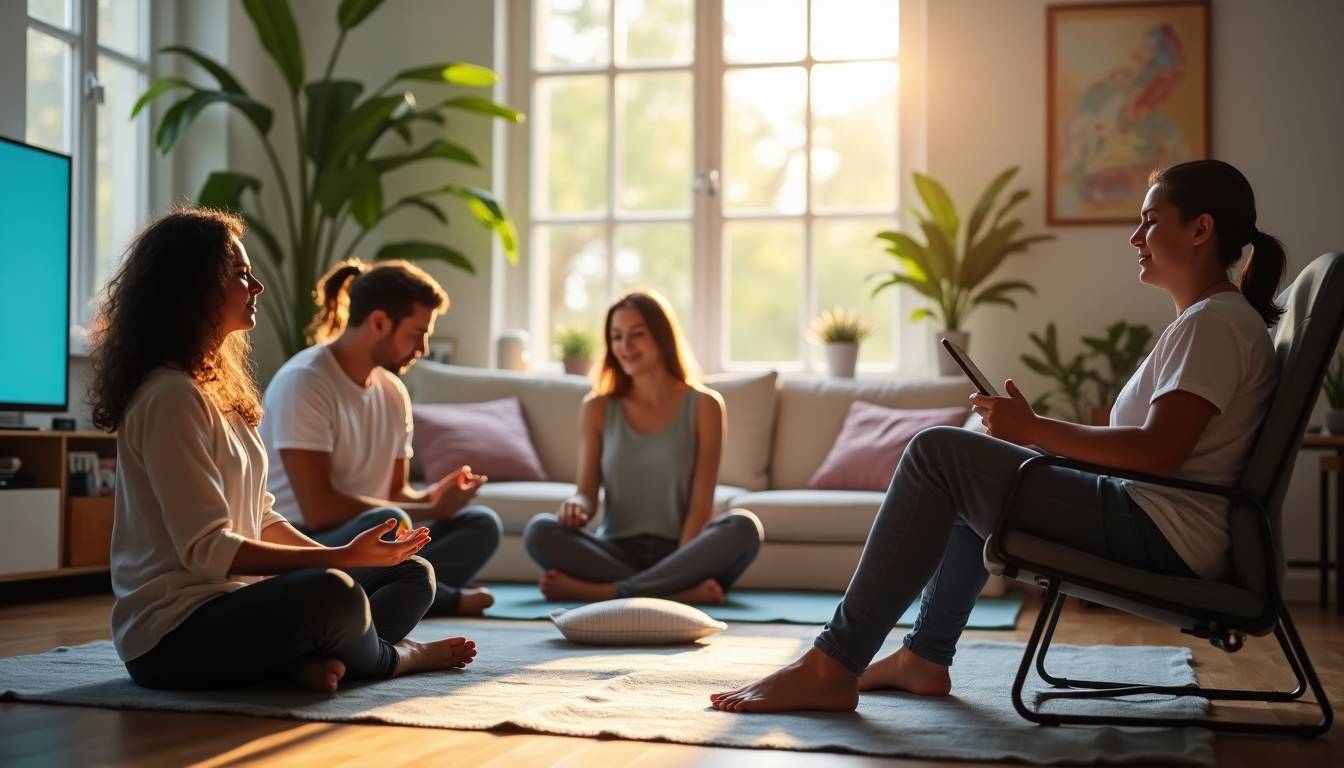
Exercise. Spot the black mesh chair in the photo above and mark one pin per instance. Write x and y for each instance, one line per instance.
(1224, 613)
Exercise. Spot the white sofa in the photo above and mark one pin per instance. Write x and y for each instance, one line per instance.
(779, 432)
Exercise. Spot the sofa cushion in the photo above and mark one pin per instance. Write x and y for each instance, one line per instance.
(517, 503)
(491, 437)
(839, 517)
(870, 444)
(550, 405)
(749, 402)
(811, 411)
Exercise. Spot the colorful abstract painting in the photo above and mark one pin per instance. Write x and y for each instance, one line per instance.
(1127, 92)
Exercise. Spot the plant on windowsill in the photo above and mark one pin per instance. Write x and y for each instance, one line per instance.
(574, 345)
(1121, 349)
(949, 270)
(1334, 395)
(342, 158)
(842, 332)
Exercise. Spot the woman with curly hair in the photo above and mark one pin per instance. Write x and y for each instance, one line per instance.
(212, 587)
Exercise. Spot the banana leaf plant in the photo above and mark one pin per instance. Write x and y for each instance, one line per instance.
(1070, 376)
(1122, 348)
(951, 266)
(347, 138)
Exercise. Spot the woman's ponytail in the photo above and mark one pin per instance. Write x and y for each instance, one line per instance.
(1261, 274)
(333, 301)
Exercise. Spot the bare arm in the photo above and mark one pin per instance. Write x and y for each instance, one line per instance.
(710, 429)
(284, 533)
(323, 506)
(578, 509)
(260, 557)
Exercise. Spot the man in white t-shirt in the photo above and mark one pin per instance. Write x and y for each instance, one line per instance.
(337, 428)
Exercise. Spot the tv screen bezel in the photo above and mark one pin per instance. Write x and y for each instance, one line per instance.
(69, 273)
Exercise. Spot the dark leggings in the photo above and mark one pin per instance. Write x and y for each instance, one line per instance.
(259, 632)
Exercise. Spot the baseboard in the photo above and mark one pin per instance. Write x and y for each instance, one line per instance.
(1303, 585)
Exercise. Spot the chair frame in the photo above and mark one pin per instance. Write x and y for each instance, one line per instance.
(1222, 630)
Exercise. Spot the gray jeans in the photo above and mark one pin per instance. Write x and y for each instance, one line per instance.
(945, 498)
(647, 566)
(459, 547)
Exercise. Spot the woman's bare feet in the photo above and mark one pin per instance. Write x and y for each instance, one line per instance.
(908, 672)
(707, 592)
(815, 682)
(448, 653)
(321, 675)
(472, 601)
(557, 585)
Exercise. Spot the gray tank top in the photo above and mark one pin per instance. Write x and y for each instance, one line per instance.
(646, 478)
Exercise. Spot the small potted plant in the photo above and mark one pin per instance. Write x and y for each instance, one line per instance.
(841, 332)
(1122, 348)
(1334, 394)
(574, 346)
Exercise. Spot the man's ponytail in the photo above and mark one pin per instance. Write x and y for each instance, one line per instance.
(333, 301)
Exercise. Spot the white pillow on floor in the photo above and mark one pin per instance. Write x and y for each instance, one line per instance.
(635, 621)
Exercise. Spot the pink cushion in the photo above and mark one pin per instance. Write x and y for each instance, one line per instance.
(869, 446)
(490, 437)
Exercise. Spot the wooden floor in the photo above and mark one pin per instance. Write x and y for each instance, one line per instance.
(45, 735)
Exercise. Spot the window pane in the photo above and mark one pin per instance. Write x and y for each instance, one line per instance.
(655, 141)
(121, 157)
(763, 139)
(844, 253)
(576, 259)
(656, 256)
(764, 291)
(570, 135)
(48, 98)
(572, 33)
(51, 11)
(756, 31)
(855, 29)
(655, 31)
(121, 25)
(854, 135)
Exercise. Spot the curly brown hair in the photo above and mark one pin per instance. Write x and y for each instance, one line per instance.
(161, 310)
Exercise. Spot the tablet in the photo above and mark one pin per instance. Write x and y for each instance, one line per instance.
(963, 360)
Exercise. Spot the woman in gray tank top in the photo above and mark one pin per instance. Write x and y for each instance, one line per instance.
(650, 437)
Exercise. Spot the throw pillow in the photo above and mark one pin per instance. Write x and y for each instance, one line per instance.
(635, 621)
(491, 437)
(749, 406)
(869, 446)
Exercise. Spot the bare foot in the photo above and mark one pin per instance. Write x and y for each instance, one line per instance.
(556, 585)
(707, 592)
(908, 672)
(472, 601)
(448, 653)
(815, 682)
(319, 675)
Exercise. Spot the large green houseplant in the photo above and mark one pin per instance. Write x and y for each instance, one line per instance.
(343, 135)
(951, 267)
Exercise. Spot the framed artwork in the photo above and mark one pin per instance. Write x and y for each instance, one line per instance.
(1127, 92)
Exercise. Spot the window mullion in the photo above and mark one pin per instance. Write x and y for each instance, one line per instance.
(707, 264)
(613, 153)
(86, 163)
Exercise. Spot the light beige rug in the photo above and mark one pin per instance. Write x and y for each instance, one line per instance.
(529, 677)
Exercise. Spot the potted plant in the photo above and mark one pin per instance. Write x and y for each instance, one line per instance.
(1334, 394)
(952, 264)
(574, 346)
(1121, 349)
(841, 332)
(342, 130)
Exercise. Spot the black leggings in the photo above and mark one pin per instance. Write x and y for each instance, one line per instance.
(257, 633)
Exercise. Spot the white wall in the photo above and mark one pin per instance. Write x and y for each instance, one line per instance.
(1278, 104)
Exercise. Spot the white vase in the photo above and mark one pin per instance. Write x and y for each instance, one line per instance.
(1334, 421)
(943, 362)
(841, 358)
(579, 366)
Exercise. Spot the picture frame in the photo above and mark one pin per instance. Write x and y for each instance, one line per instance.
(1128, 89)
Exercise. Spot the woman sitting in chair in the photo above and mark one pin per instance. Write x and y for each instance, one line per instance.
(1191, 410)
(652, 439)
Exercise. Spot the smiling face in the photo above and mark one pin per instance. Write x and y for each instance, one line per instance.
(631, 341)
(1169, 249)
(238, 311)
(404, 341)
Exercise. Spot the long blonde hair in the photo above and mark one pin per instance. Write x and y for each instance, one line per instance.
(661, 321)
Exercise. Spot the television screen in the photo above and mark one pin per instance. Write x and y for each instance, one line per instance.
(34, 278)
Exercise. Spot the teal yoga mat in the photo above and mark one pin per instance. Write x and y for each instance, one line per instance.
(524, 601)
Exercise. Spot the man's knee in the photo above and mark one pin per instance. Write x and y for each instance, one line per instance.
(484, 526)
(379, 515)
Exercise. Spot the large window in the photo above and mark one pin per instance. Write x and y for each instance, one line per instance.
(738, 155)
(87, 63)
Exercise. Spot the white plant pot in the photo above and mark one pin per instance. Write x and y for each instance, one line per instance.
(578, 366)
(842, 357)
(943, 362)
(1334, 421)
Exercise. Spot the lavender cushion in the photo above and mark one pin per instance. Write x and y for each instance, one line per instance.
(491, 437)
(869, 446)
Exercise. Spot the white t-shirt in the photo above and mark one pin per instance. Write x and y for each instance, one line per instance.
(1220, 350)
(191, 485)
(311, 404)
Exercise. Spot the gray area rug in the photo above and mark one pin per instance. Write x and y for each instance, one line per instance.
(529, 677)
